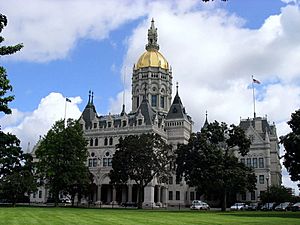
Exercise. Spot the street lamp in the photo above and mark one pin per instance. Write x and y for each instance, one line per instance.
(267, 178)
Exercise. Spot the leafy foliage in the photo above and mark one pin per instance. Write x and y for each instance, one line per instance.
(276, 194)
(4, 82)
(140, 158)
(16, 168)
(62, 157)
(291, 143)
(208, 162)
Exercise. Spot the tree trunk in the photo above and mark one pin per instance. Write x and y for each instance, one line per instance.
(140, 196)
(224, 202)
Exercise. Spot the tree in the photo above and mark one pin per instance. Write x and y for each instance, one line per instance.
(208, 162)
(141, 159)
(62, 156)
(276, 194)
(20, 181)
(291, 143)
(4, 82)
(16, 171)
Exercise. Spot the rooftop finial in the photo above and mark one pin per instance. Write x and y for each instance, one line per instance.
(176, 87)
(206, 120)
(152, 38)
(89, 96)
(92, 98)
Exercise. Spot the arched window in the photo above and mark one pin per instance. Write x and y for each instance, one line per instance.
(96, 141)
(105, 141)
(107, 159)
(91, 142)
(110, 141)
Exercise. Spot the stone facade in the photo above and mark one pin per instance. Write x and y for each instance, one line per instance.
(154, 112)
(263, 156)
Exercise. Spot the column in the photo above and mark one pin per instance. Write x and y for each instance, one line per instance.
(158, 195)
(164, 196)
(129, 193)
(124, 194)
(114, 194)
(99, 192)
(148, 196)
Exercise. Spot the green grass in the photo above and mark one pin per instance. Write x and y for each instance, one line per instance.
(62, 216)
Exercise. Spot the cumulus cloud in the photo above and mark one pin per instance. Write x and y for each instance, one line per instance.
(50, 29)
(28, 127)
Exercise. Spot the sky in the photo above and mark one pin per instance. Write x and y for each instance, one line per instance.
(214, 48)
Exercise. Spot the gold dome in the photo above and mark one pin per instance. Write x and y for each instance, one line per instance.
(152, 58)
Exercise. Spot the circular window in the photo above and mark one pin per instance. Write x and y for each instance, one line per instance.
(92, 154)
(107, 154)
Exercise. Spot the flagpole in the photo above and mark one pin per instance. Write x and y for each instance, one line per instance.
(65, 112)
(253, 97)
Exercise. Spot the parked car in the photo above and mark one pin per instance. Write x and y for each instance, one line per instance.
(253, 206)
(285, 206)
(296, 207)
(199, 205)
(239, 206)
(268, 206)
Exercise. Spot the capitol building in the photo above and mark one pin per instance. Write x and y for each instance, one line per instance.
(154, 110)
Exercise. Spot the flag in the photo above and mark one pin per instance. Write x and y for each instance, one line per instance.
(256, 81)
(68, 100)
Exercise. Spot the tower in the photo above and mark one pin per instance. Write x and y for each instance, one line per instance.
(152, 77)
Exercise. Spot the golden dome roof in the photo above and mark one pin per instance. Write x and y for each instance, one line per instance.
(152, 58)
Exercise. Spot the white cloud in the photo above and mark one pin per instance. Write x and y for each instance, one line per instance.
(30, 126)
(50, 29)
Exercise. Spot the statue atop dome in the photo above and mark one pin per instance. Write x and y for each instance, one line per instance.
(152, 38)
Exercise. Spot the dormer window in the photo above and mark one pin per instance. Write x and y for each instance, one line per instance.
(124, 123)
(140, 121)
(109, 124)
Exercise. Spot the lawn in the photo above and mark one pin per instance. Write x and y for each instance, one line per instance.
(61, 216)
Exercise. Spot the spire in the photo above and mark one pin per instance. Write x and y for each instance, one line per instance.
(206, 121)
(152, 38)
(89, 97)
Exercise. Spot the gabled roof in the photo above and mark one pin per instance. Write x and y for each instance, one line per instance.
(147, 111)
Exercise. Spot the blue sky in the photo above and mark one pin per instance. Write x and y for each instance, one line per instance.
(213, 48)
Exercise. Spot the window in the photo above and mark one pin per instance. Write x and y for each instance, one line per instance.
(253, 195)
(94, 162)
(91, 142)
(170, 195)
(34, 195)
(243, 160)
(109, 124)
(177, 195)
(170, 180)
(140, 121)
(105, 141)
(110, 141)
(261, 179)
(95, 125)
(154, 100)
(109, 161)
(192, 196)
(254, 162)
(124, 123)
(40, 194)
(249, 162)
(90, 162)
(261, 163)
(137, 101)
(96, 141)
(177, 181)
(105, 161)
(162, 102)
